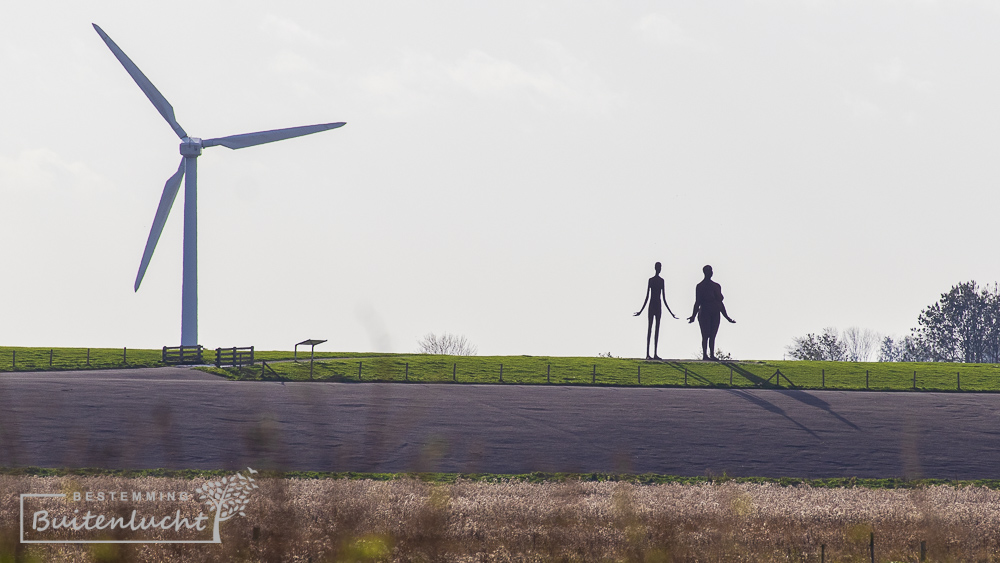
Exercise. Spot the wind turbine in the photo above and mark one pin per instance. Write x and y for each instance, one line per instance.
(191, 148)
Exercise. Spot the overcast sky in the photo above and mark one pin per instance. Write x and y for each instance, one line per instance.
(509, 171)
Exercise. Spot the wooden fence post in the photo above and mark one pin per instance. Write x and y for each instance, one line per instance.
(50, 358)
(124, 355)
(593, 377)
(730, 375)
(13, 360)
(501, 373)
(359, 371)
(871, 546)
(685, 375)
(548, 373)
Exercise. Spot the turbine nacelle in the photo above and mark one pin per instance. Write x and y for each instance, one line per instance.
(191, 146)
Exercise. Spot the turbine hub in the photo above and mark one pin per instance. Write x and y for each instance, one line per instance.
(191, 146)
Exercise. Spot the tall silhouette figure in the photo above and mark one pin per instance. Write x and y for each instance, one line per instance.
(708, 307)
(654, 290)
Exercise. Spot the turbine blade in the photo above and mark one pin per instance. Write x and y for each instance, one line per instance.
(166, 202)
(154, 95)
(260, 137)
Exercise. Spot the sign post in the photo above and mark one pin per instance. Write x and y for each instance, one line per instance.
(312, 352)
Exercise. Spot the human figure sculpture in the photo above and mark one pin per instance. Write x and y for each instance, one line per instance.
(655, 290)
(708, 307)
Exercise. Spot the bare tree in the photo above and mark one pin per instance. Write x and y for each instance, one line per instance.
(859, 344)
(448, 344)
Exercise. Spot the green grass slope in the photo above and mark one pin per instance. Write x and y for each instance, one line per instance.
(418, 368)
(538, 370)
(17, 358)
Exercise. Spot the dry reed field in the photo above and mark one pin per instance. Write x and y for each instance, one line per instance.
(411, 520)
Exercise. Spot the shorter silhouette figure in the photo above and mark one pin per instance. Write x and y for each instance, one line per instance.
(708, 307)
(654, 289)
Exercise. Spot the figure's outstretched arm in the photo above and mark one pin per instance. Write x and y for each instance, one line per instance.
(663, 293)
(722, 305)
(725, 314)
(697, 306)
(694, 313)
(644, 301)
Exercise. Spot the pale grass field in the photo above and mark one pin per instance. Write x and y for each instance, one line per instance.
(410, 520)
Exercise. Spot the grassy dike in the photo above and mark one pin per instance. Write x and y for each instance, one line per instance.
(535, 370)
(18, 358)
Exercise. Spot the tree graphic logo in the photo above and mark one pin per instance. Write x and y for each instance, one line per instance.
(227, 498)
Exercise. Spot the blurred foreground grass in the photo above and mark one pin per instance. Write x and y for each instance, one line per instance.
(407, 519)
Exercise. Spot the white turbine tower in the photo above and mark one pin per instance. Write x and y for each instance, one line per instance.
(190, 150)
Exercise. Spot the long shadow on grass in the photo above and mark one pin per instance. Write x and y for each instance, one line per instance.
(691, 373)
(751, 377)
(801, 396)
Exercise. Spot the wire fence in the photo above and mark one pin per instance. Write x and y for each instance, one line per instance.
(637, 373)
(554, 371)
(40, 359)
